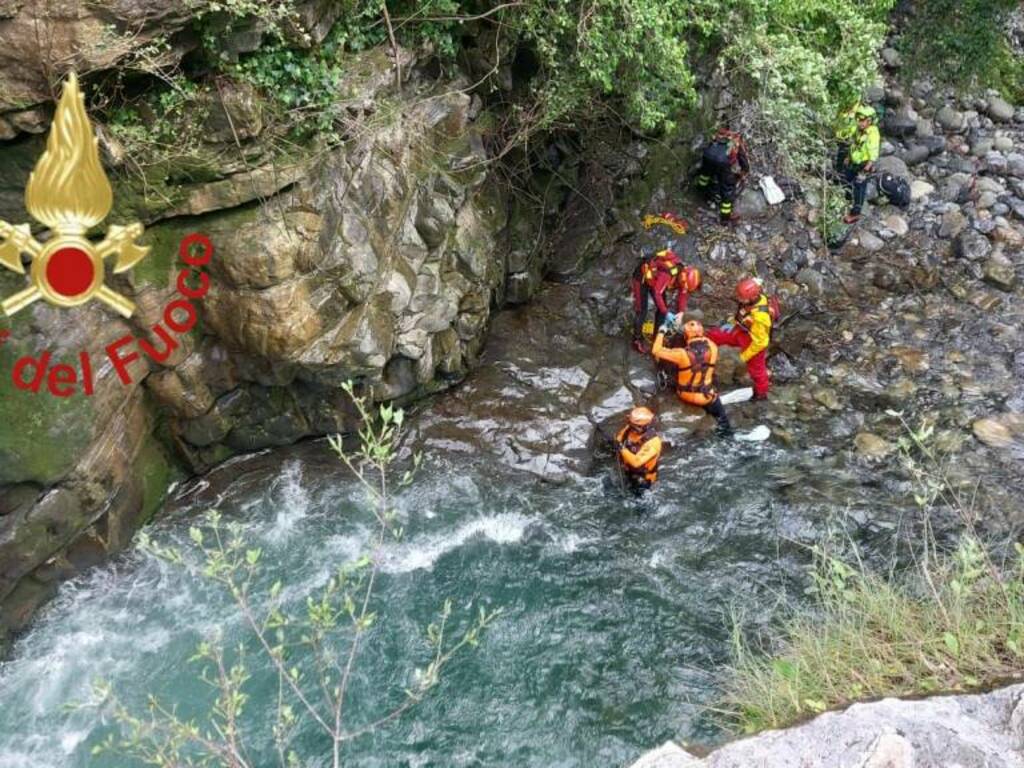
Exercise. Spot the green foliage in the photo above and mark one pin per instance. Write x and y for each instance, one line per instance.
(956, 623)
(963, 43)
(952, 622)
(804, 60)
(166, 123)
(628, 60)
(632, 50)
(312, 646)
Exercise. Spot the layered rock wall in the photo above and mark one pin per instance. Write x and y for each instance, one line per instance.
(377, 257)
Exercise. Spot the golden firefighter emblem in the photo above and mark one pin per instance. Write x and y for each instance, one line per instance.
(69, 192)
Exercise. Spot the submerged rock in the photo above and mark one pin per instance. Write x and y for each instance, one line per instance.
(872, 446)
(999, 431)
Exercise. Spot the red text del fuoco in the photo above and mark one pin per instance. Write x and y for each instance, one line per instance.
(32, 374)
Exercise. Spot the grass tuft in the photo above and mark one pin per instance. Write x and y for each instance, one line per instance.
(953, 623)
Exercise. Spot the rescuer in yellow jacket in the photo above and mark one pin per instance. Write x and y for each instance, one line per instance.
(751, 333)
(865, 146)
(639, 449)
(695, 366)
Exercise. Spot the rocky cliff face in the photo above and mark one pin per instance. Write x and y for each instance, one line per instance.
(379, 258)
(985, 731)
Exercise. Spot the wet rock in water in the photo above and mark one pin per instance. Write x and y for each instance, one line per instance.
(1013, 238)
(953, 223)
(993, 432)
(949, 118)
(999, 109)
(872, 446)
(827, 398)
(972, 246)
(984, 301)
(920, 189)
(912, 360)
(1000, 273)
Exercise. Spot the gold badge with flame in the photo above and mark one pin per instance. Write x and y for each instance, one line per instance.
(69, 192)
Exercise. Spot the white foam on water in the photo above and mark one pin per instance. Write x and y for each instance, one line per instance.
(422, 552)
(571, 542)
(292, 500)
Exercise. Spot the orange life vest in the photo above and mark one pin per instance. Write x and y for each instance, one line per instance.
(696, 384)
(634, 442)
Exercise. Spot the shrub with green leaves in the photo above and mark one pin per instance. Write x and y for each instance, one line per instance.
(635, 62)
(963, 43)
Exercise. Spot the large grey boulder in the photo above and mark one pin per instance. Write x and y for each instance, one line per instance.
(950, 119)
(892, 164)
(999, 109)
(977, 731)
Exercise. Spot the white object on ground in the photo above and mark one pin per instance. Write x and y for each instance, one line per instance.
(737, 396)
(772, 193)
(756, 435)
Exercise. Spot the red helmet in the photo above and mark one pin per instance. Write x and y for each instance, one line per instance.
(640, 416)
(693, 329)
(748, 290)
(690, 279)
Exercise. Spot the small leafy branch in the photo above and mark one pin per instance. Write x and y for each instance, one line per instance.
(311, 652)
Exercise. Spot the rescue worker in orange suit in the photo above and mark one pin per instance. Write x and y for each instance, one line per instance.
(695, 365)
(723, 163)
(639, 449)
(655, 278)
(750, 333)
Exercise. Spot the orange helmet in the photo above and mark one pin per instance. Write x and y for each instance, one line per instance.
(748, 290)
(640, 416)
(692, 329)
(690, 279)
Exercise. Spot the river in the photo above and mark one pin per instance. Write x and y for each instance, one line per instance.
(617, 614)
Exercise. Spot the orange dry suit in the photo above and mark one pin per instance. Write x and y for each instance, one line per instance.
(639, 452)
(695, 380)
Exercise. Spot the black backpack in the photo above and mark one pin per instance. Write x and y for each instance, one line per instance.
(896, 188)
(717, 153)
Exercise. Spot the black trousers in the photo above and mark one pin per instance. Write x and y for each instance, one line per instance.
(858, 185)
(718, 182)
(646, 299)
(717, 409)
